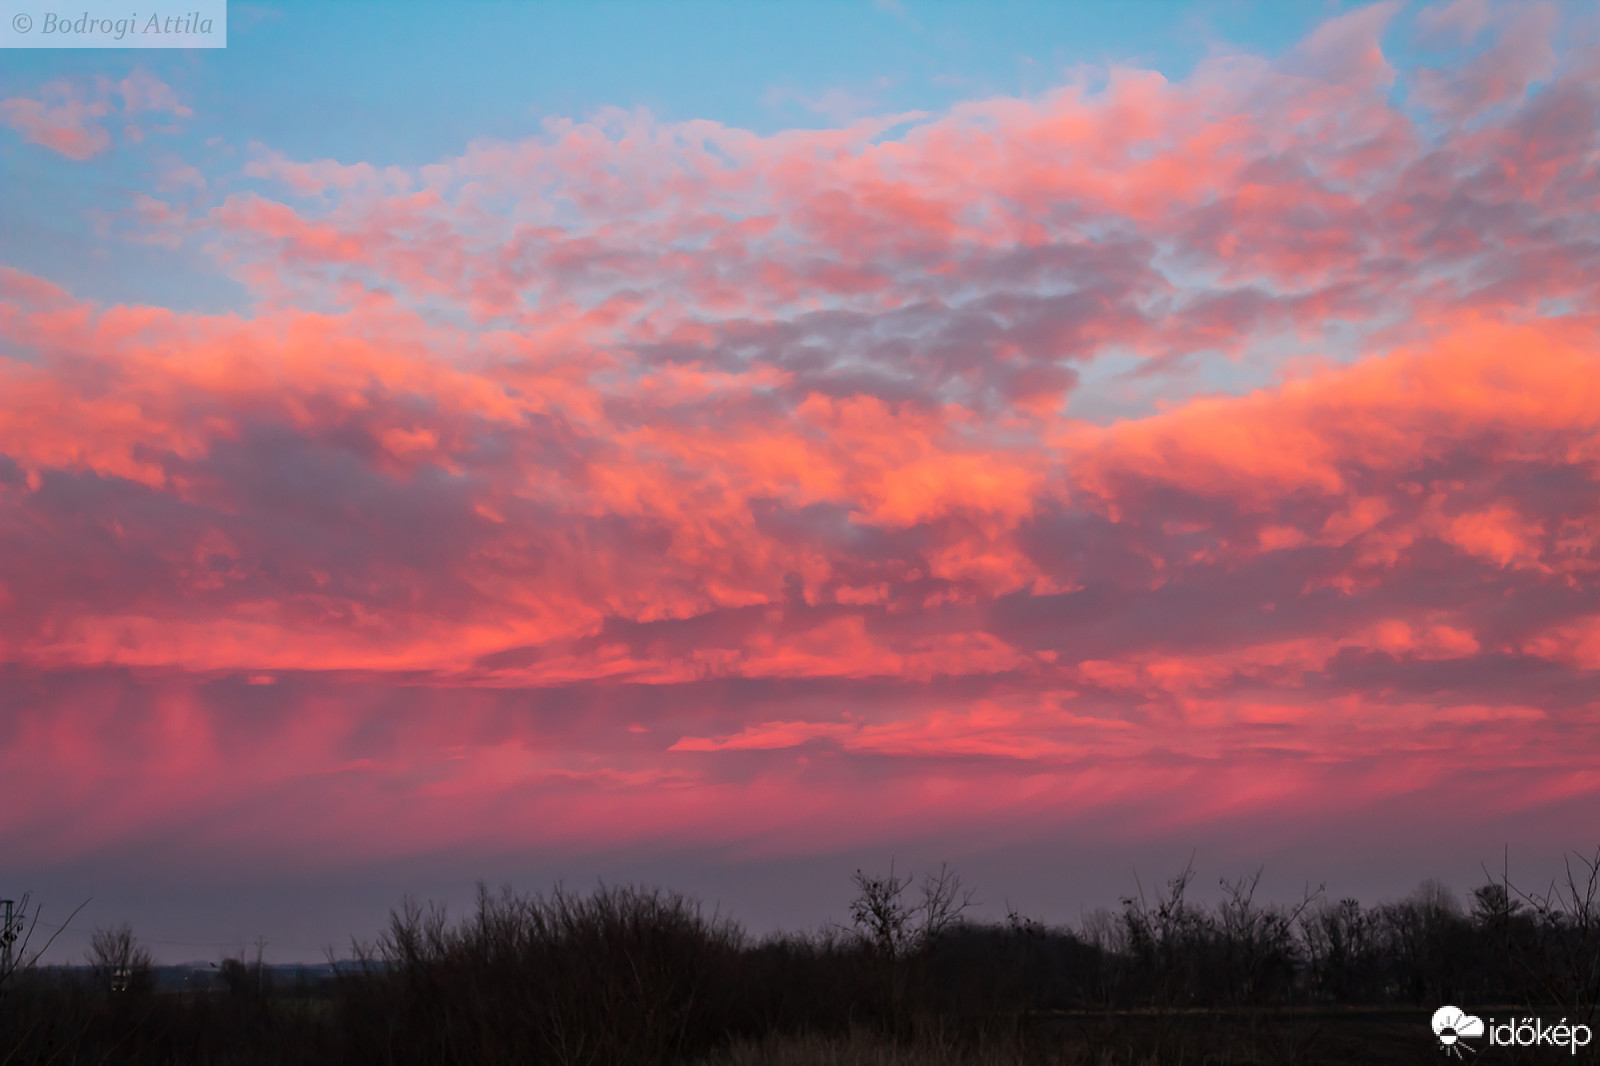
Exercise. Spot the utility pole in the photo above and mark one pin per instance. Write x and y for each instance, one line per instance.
(261, 946)
(8, 934)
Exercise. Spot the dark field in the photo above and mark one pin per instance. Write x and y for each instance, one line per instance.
(630, 975)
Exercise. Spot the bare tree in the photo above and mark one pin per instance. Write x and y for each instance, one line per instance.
(944, 901)
(1160, 938)
(1569, 912)
(245, 979)
(881, 914)
(119, 961)
(1258, 942)
(894, 925)
(901, 932)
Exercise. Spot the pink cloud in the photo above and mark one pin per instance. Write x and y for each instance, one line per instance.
(1460, 20)
(143, 91)
(1520, 55)
(61, 120)
(65, 117)
(312, 179)
(659, 479)
(1346, 50)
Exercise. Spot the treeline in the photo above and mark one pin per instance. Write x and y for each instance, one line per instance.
(627, 975)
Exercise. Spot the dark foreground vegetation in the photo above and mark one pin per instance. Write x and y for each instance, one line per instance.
(642, 976)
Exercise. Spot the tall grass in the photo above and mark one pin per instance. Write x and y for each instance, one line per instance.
(621, 975)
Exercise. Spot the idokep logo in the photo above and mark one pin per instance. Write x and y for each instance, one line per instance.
(1452, 1025)
(1455, 1028)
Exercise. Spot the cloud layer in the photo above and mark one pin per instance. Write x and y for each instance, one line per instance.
(644, 480)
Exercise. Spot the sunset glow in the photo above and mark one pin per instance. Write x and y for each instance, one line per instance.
(1137, 454)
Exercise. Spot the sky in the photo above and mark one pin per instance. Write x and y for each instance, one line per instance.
(727, 445)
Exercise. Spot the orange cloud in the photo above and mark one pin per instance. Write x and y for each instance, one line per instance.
(1183, 450)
